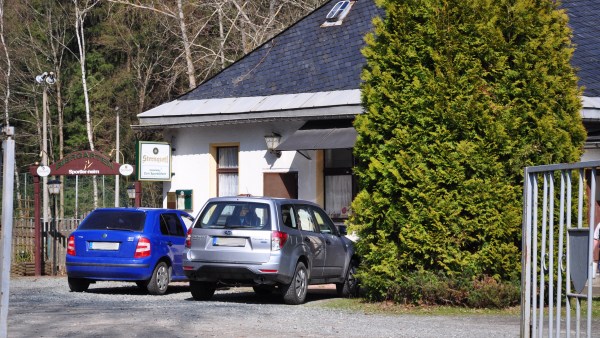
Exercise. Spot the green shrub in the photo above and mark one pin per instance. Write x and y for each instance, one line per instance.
(489, 293)
(436, 288)
(458, 96)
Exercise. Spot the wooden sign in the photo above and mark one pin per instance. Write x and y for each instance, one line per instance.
(84, 162)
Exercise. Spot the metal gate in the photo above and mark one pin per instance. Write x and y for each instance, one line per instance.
(559, 204)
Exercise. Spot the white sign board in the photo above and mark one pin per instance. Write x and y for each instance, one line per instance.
(126, 169)
(43, 170)
(154, 161)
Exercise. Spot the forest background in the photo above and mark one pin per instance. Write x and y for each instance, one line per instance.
(114, 57)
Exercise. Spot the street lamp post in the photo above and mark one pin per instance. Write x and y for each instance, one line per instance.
(54, 190)
(45, 79)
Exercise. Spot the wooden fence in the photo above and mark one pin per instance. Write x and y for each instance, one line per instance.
(23, 246)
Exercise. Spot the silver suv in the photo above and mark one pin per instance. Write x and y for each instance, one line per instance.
(270, 244)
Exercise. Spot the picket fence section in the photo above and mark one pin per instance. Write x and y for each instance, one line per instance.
(23, 245)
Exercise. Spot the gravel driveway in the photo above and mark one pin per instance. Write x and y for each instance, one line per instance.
(44, 307)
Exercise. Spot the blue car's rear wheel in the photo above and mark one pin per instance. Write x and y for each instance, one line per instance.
(158, 283)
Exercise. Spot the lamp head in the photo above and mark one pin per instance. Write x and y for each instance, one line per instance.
(49, 78)
(272, 140)
(40, 78)
(131, 191)
(54, 187)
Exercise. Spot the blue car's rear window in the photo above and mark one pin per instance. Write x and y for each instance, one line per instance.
(114, 220)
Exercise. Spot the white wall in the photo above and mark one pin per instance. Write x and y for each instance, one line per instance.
(592, 154)
(191, 160)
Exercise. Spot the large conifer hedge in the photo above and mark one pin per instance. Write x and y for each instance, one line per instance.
(459, 96)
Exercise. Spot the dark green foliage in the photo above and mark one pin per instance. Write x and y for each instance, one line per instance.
(435, 288)
(459, 97)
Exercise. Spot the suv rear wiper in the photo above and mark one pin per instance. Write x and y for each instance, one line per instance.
(241, 226)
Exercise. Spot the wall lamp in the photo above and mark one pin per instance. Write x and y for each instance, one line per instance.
(131, 191)
(272, 140)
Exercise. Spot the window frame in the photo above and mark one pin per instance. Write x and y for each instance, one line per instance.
(228, 170)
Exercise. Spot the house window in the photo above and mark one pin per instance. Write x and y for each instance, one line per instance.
(227, 171)
(337, 10)
(336, 15)
(340, 185)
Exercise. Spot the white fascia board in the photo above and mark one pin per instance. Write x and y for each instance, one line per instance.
(591, 108)
(254, 104)
(162, 122)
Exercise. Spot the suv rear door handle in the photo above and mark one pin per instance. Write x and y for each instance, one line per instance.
(169, 243)
(307, 240)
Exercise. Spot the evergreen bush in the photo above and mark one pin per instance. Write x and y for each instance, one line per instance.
(459, 96)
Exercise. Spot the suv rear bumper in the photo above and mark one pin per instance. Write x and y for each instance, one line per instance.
(234, 274)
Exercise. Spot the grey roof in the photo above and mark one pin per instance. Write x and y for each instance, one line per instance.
(289, 76)
(304, 58)
(307, 58)
(583, 19)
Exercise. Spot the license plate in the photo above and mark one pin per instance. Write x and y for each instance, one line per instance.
(104, 245)
(229, 241)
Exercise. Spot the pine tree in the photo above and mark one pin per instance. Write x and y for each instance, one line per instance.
(459, 96)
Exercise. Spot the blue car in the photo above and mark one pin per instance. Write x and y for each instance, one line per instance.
(141, 245)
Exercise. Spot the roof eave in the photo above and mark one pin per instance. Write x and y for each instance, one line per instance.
(186, 121)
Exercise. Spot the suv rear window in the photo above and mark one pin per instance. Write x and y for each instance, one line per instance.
(218, 215)
(114, 220)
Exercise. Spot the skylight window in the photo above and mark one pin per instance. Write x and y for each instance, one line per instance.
(337, 14)
(337, 10)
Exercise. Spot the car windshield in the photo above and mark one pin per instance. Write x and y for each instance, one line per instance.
(114, 220)
(234, 215)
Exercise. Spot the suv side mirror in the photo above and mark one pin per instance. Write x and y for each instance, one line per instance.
(343, 229)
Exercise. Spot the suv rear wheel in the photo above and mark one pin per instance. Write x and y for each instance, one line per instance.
(202, 290)
(349, 288)
(295, 292)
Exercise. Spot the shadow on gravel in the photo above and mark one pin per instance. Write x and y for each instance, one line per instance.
(231, 295)
(133, 290)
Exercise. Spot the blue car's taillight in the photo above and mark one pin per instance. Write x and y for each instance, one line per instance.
(71, 246)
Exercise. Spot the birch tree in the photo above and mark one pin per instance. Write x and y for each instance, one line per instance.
(80, 15)
(7, 68)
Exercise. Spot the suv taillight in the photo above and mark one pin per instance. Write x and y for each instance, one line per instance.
(278, 239)
(188, 239)
(143, 248)
(71, 246)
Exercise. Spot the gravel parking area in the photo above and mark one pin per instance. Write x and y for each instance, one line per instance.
(44, 307)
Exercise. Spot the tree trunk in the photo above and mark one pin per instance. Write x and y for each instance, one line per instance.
(221, 38)
(80, 15)
(191, 70)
